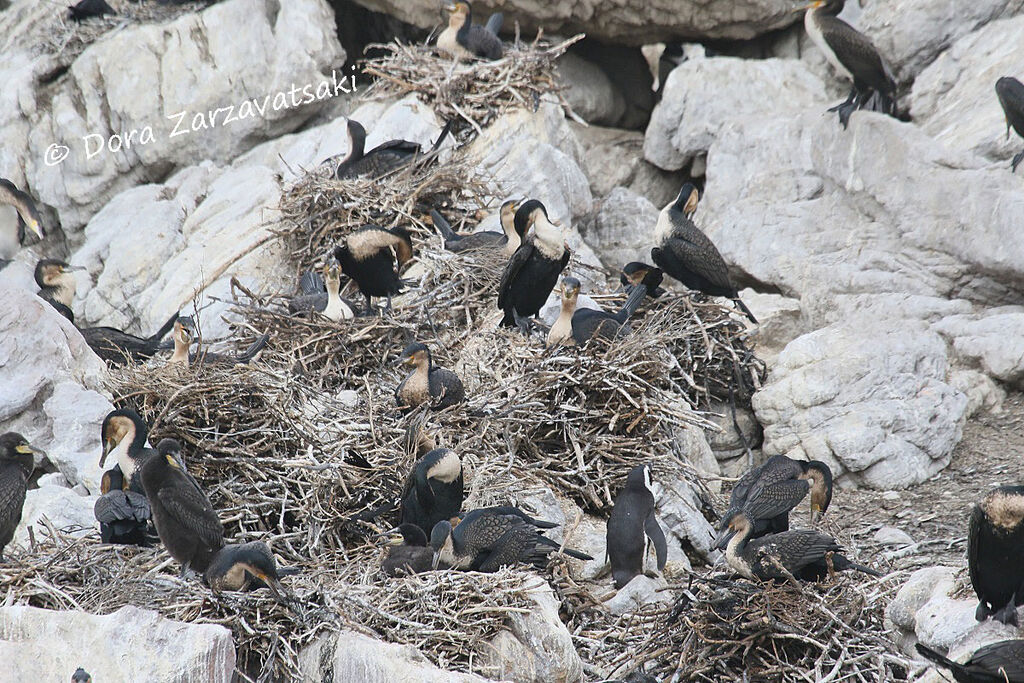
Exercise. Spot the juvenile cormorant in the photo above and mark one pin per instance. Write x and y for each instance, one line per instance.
(184, 518)
(462, 39)
(323, 295)
(57, 285)
(114, 345)
(577, 326)
(853, 55)
(533, 270)
(439, 387)
(123, 434)
(184, 335)
(374, 257)
(485, 541)
(632, 527)
(18, 216)
(767, 493)
(637, 273)
(383, 158)
(81, 676)
(788, 555)
(244, 567)
(408, 552)
(17, 459)
(1001, 662)
(995, 554)
(434, 490)
(124, 515)
(508, 240)
(686, 253)
(1011, 98)
(89, 8)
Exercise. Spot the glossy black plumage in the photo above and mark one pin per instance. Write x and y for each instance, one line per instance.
(434, 490)
(1010, 92)
(18, 217)
(632, 526)
(639, 273)
(89, 8)
(995, 554)
(116, 346)
(413, 556)
(184, 518)
(1001, 662)
(373, 257)
(532, 272)
(463, 39)
(17, 460)
(247, 566)
(382, 159)
(427, 384)
(577, 326)
(685, 253)
(124, 515)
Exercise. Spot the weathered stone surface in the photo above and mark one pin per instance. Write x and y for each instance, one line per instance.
(613, 157)
(890, 535)
(916, 592)
(61, 507)
(589, 91)
(738, 431)
(623, 229)
(990, 341)
(679, 511)
(640, 591)
(131, 644)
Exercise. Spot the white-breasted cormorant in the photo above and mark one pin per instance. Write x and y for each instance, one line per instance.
(533, 270)
(115, 346)
(434, 489)
(1001, 662)
(246, 566)
(462, 39)
(374, 256)
(853, 55)
(408, 552)
(184, 518)
(382, 159)
(17, 460)
(638, 273)
(1010, 92)
(438, 387)
(995, 554)
(185, 334)
(57, 284)
(785, 556)
(508, 240)
(576, 326)
(123, 435)
(124, 515)
(633, 528)
(322, 294)
(685, 252)
(18, 217)
(487, 540)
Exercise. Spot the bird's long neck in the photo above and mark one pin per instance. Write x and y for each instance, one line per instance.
(63, 289)
(180, 355)
(561, 331)
(336, 308)
(123, 455)
(548, 238)
(734, 552)
(514, 240)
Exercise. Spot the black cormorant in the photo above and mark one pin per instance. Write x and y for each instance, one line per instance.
(184, 335)
(576, 326)
(686, 253)
(374, 257)
(184, 518)
(533, 270)
(485, 541)
(434, 490)
(123, 434)
(81, 676)
(245, 567)
(995, 554)
(788, 555)
(463, 39)
(408, 552)
(18, 216)
(1011, 98)
(508, 240)
(637, 273)
(89, 8)
(322, 294)
(632, 528)
(57, 284)
(17, 460)
(115, 346)
(438, 387)
(383, 158)
(124, 515)
(853, 55)
(1001, 662)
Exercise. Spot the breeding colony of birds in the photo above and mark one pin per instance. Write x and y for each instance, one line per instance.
(151, 500)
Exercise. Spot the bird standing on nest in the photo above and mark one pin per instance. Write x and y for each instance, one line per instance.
(633, 528)
(576, 326)
(374, 256)
(184, 518)
(437, 387)
(57, 284)
(18, 217)
(323, 295)
(1001, 662)
(434, 490)
(244, 567)
(464, 40)
(382, 159)
(686, 253)
(995, 554)
(185, 333)
(1010, 92)
(17, 460)
(508, 240)
(123, 435)
(124, 514)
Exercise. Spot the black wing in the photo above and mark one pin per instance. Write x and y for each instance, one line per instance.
(857, 53)
(515, 264)
(697, 253)
(312, 282)
(973, 532)
(657, 536)
(1004, 659)
(191, 509)
(119, 505)
(767, 501)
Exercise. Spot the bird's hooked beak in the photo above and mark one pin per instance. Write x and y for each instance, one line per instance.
(816, 513)
(811, 5)
(406, 360)
(449, 7)
(275, 586)
(393, 536)
(436, 560)
(723, 538)
(37, 229)
(28, 449)
(108, 446)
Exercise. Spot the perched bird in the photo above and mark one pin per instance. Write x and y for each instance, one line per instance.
(81, 676)
(374, 257)
(17, 460)
(576, 326)
(789, 555)
(245, 567)
(124, 515)
(1001, 662)
(18, 217)
(116, 346)
(434, 490)
(184, 334)
(1010, 92)
(408, 552)
(462, 39)
(632, 528)
(637, 273)
(323, 295)
(382, 159)
(995, 554)
(486, 541)
(853, 55)
(57, 285)
(184, 518)
(89, 8)
(768, 492)
(533, 270)
(686, 253)
(123, 435)
(438, 387)
(508, 240)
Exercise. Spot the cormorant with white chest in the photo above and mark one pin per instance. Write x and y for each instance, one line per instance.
(434, 490)
(462, 39)
(576, 326)
(373, 256)
(508, 239)
(995, 554)
(435, 386)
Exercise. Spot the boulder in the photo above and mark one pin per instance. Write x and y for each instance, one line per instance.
(64, 509)
(589, 91)
(613, 157)
(623, 229)
(131, 644)
(989, 340)
(679, 509)
(738, 430)
(890, 535)
(642, 590)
